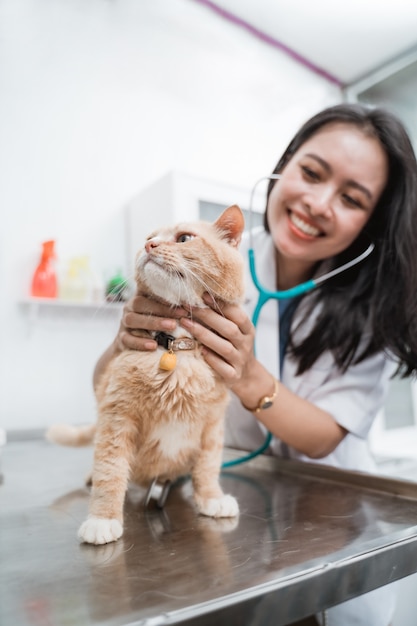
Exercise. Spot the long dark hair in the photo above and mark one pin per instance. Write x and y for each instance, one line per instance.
(373, 306)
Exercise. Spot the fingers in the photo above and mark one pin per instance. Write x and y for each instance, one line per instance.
(137, 343)
(226, 332)
(228, 372)
(137, 321)
(141, 313)
(230, 322)
(228, 338)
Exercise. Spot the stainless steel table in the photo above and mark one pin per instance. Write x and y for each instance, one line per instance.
(307, 538)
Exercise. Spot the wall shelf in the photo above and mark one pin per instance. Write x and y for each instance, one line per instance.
(70, 304)
(51, 310)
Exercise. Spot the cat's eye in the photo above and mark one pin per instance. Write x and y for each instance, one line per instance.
(184, 237)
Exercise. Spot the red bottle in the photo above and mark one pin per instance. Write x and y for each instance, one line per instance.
(44, 281)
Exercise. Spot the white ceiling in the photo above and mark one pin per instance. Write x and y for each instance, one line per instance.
(346, 38)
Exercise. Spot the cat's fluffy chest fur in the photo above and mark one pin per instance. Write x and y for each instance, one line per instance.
(154, 423)
(167, 411)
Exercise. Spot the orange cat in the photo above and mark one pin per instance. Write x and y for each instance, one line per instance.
(160, 414)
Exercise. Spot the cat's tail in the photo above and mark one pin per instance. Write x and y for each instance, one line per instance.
(67, 435)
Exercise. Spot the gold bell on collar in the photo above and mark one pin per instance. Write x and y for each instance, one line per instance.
(168, 361)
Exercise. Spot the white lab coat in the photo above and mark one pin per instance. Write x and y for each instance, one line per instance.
(353, 399)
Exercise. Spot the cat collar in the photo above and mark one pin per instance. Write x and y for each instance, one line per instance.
(168, 360)
(170, 343)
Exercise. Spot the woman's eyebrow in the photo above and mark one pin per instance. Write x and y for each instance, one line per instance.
(319, 160)
(351, 183)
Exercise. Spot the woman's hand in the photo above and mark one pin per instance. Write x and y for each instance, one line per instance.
(227, 335)
(142, 313)
(139, 313)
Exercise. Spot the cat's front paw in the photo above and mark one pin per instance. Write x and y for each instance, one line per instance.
(225, 506)
(99, 530)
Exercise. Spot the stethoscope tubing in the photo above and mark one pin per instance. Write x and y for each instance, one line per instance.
(266, 294)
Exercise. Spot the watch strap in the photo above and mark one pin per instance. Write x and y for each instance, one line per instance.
(266, 401)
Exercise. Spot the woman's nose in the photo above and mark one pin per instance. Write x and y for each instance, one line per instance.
(320, 202)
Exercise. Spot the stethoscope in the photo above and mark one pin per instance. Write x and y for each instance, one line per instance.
(266, 294)
(159, 491)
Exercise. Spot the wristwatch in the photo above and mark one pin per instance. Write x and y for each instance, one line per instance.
(266, 401)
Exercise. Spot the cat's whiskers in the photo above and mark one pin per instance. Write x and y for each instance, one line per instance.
(187, 288)
(198, 278)
(201, 273)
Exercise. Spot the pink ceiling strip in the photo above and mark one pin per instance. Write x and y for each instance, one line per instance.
(270, 40)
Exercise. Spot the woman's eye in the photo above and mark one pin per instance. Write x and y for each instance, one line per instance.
(184, 237)
(309, 173)
(352, 201)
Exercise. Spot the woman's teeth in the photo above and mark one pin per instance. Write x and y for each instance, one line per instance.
(308, 229)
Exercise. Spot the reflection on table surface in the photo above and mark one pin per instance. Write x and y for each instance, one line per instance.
(297, 536)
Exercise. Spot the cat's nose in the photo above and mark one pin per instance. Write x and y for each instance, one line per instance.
(150, 244)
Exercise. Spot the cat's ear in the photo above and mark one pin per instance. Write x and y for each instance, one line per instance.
(231, 223)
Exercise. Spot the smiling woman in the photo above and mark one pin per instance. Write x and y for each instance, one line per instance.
(348, 180)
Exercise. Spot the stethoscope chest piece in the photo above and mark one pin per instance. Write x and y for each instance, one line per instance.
(157, 493)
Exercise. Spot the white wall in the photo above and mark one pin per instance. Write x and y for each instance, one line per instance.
(99, 99)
